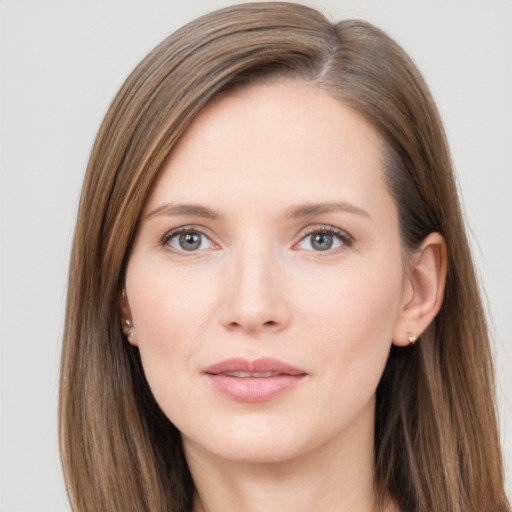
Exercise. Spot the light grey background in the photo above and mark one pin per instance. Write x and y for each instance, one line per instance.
(61, 64)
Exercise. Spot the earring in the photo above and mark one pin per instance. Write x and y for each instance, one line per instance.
(129, 332)
(412, 339)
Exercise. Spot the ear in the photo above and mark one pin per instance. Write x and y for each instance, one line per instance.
(126, 319)
(423, 290)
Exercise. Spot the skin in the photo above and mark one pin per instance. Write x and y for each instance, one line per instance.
(258, 287)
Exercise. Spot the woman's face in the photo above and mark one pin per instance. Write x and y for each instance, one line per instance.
(266, 279)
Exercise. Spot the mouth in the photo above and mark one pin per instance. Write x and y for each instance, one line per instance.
(247, 375)
(253, 381)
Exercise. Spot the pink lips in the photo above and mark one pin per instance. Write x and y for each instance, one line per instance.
(253, 381)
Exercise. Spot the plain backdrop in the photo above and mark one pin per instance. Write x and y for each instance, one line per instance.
(61, 64)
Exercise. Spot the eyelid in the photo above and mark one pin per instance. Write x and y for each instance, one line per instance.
(193, 228)
(345, 238)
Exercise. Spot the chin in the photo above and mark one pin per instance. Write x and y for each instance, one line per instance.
(254, 451)
(249, 441)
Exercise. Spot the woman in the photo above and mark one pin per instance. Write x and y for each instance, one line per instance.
(272, 302)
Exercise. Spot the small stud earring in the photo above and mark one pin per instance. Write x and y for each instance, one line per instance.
(412, 339)
(129, 332)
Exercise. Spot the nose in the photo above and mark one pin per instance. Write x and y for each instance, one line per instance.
(255, 295)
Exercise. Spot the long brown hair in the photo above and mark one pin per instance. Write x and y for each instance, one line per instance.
(436, 440)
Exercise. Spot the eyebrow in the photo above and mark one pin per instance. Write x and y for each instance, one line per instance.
(310, 210)
(294, 212)
(191, 210)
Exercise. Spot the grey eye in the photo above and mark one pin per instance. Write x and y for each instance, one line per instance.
(189, 241)
(321, 241)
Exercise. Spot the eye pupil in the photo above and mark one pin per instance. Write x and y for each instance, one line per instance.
(322, 241)
(190, 241)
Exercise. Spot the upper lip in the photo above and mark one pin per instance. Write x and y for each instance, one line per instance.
(261, 365)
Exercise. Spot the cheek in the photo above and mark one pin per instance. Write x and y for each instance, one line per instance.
(352, 317)
(360, 302)
(171, 312)
(167, 305)
(170, 316)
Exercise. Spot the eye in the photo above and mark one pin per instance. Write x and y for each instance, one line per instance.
(325, 239)
(187, 240)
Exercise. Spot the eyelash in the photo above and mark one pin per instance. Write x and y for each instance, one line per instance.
(164, 242)
(342, 236)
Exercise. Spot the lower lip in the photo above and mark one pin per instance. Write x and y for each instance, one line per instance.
(254, 389)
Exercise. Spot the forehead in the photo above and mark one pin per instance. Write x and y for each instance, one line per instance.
(277, 140)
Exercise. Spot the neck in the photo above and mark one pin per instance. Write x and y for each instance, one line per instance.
(335, 477)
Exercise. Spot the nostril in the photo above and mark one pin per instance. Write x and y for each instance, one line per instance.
(253, 326)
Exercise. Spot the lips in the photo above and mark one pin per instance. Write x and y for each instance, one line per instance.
(245, 375)
(253, 381)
